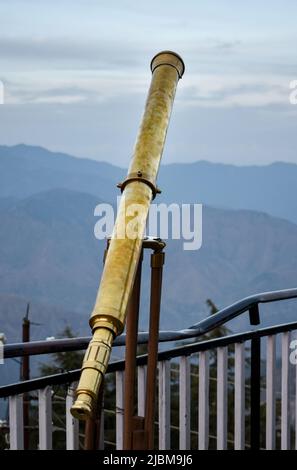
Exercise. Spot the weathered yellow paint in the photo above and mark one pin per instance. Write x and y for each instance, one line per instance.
(108, 317)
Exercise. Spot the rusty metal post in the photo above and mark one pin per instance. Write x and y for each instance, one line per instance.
(138, 430)
(25, 375)
(130, 360)
(157, 262)
(93, 425)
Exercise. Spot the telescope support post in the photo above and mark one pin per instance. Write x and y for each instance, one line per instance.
(138, 430)
(130, 359)
(157, 262)
(93, 425)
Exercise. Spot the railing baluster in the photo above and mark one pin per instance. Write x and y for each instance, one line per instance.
(141, 385)
(295, 403)
(119, 409)
(270, 393)
(184, 403)
(239, 397)
(203, 349)
(45, 418)
(222, 365)
(16, 423)
(203, 401)
(164, 405)
(255, 392)
(102, 427)
(285, 423)
(72, 424)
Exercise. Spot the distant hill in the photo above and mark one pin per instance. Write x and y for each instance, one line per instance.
(48, 319)
(51, 320)
(26, 170)
(48, 250)
(271, 188)
(48, 254)
(50, 257)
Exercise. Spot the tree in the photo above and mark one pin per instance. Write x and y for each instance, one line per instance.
(218, 332)
(59, 362)
(63, 361)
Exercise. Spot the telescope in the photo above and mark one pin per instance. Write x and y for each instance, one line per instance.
(138, 190)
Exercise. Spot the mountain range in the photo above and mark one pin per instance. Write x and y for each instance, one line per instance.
(50, 257)
(27, 170)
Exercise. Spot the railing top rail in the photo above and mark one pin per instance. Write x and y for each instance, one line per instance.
(198, 329)
(186, 350)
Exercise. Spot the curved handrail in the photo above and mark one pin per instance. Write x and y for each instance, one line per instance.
(185, 350)
(198, 329)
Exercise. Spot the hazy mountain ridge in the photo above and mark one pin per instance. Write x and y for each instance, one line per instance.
(47, 242)
(271, 188)
(48, 252)
(26, 170)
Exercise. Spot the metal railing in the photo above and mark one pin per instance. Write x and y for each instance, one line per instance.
(248, 304)
(221, 393)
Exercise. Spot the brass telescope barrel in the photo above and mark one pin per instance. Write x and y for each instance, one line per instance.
(139, 188)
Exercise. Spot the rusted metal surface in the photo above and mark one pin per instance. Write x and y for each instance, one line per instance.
(139, 436)
(130, 359)
(93, 425)
(25, 375)
(138, 430)
(157, 261)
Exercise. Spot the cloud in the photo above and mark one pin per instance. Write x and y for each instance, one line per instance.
(235, 90)
(69, 53)
(228, 44)
(66, 87)
(67, 70)
(204, 90)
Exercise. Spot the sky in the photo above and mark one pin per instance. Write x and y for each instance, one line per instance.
(75, 76)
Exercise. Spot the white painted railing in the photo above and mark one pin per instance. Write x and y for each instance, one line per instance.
(16, 425)
(239, 397)
(72, 425)
(45, 426)
(208, 406)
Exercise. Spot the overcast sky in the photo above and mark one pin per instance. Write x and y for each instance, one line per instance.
(76, 73)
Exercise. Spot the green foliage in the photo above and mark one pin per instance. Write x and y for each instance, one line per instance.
(62, 361)
(218, 332)
(59, 362)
